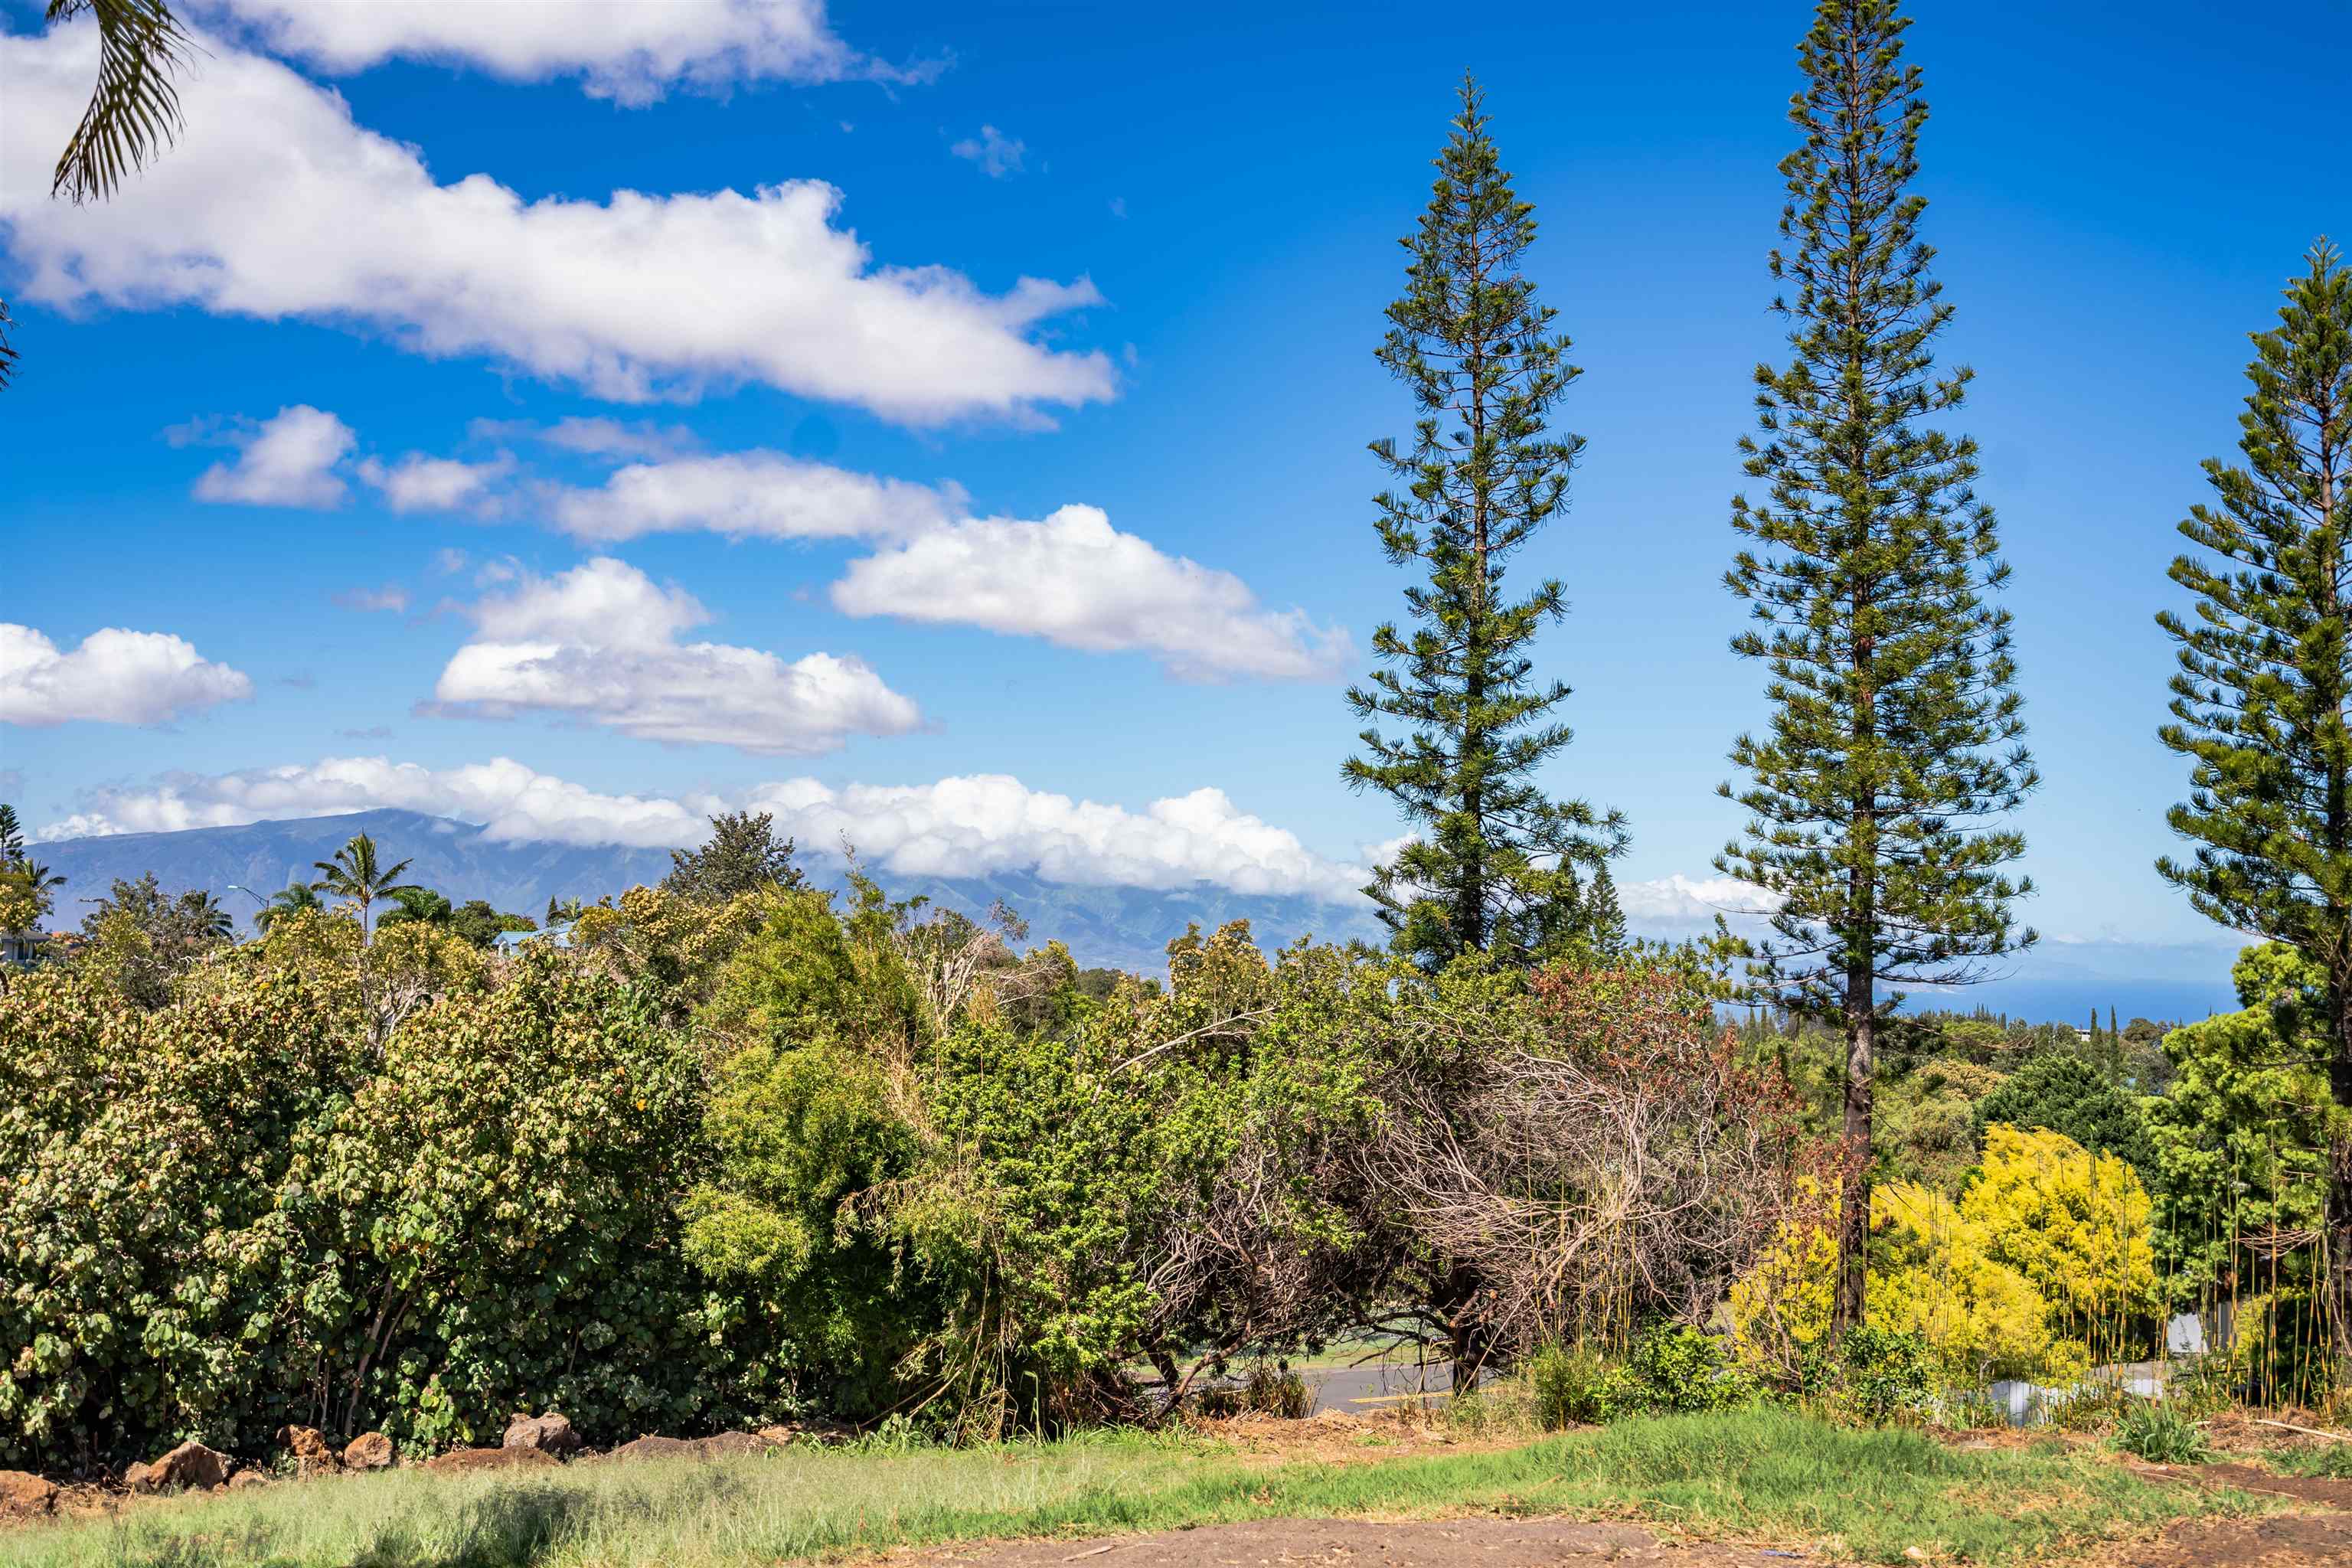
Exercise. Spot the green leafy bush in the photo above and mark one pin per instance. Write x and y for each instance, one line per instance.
(144, 1154)
(1674, 1370)
(2159, 1434)
(243, 1210)
(1568, 1387)
(1886, 1375)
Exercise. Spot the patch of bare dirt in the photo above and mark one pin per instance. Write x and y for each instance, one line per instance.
(2274, 1540)
(1361, 1544)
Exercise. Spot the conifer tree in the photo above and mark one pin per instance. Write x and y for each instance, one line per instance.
(2259, 700)
(1493, 865)
(1877, 799)
(1602, 917)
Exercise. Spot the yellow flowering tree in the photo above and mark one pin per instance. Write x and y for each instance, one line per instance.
(2074, 1222)
(2047, 1243)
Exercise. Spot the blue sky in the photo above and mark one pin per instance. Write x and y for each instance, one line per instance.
(1212, 199)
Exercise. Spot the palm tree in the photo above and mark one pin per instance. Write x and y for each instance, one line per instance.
(37, 876)
(417, 906)
(292, 898)
(353, 874)
(209, 917)
(134, 111)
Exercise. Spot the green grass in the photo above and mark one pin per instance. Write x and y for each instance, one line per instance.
(1761, 1475)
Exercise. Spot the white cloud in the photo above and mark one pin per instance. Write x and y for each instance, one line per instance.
(602, 643)
(449, 562)
(955, 827)
(391, 596)
(745, 494)
(1678, 902)
(626, 50)
(996, 154)
(1074, 579)
(603, 438)
(115, 676)
(275, 204)
(288, 460)
(422, 483)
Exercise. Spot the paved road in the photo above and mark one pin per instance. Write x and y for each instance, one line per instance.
(1362, 1390)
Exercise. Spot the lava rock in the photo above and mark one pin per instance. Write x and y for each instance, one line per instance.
(191, 1465)
(369, 1451)
(549, 1434)
(313, 1455)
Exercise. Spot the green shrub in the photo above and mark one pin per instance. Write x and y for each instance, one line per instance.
(1674, 1370)
(1568, 1387)
(1886, 1375)
(2159, 1434)
(147, 1266)
(241, 1211)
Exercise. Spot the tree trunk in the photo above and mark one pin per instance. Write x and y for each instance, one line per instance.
(2337, 1244)
(1854, 1192)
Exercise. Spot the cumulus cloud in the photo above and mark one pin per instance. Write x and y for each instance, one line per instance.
(276, 205)
(602, 643)
(996, 154)
(623, 49)
(745, 495)
(1679, 905)
(115, 676)
(421, 483)
(287, 461)
(954, 828)
(1075, 580)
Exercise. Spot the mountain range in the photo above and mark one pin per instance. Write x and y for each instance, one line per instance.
(1116, 927)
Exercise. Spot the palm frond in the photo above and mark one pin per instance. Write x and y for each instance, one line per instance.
(134, 111)
(7, 351)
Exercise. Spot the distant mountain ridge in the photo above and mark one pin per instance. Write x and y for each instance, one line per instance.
(1118, 927)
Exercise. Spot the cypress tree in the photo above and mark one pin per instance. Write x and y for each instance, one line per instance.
(1877, 798)
(1493, 866)
(2258, 702)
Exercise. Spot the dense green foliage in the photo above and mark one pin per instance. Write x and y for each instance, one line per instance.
(1494, 863)
(2065, 1094)
(785, 1153)
(1878, 799)
(2259, 702)
(233, 1211)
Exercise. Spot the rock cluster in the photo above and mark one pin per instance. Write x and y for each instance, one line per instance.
(313, 1454)
(191, 1465)
(548, 1434)
(530, 1441)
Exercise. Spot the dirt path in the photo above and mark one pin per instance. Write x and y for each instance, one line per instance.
(1361, 1544)
(2277, 1540)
